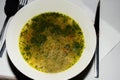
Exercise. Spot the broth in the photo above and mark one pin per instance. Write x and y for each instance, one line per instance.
(51, 42)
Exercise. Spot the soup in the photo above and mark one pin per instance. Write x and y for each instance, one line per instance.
(51, 42)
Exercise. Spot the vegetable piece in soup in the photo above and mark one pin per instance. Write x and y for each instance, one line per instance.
(51, 42)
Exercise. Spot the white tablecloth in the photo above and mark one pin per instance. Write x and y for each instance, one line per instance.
(109, 36)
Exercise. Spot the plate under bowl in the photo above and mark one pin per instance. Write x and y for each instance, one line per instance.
(41, 6)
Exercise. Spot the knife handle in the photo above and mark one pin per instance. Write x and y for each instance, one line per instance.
(96, 61)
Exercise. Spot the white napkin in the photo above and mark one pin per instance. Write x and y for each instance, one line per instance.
(109, 37)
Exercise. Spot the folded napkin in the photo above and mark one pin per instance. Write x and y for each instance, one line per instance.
(109, 37)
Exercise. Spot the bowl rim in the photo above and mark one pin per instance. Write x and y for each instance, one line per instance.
(54, 6)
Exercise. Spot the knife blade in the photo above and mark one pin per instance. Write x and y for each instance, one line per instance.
(96, 25)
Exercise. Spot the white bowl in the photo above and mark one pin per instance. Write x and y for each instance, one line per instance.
(41, 6)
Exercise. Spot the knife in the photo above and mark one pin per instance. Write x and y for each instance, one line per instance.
(96, 25)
